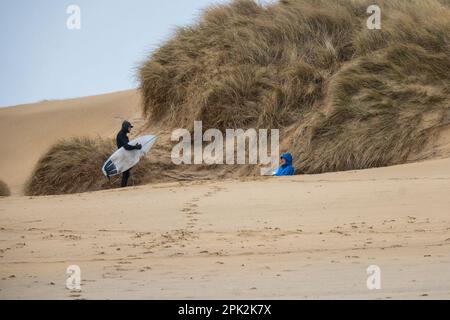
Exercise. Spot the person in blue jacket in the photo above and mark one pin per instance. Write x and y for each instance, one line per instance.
(286, 168)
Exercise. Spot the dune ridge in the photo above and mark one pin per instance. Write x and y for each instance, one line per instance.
(345, 97)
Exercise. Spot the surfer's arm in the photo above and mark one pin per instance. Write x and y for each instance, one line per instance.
(128, 147)
(124, 143)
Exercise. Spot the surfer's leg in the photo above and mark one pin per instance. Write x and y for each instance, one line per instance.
(125, 177)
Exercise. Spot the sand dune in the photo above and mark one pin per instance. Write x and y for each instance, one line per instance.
(27, 131)
(297, 237)
(310, 236)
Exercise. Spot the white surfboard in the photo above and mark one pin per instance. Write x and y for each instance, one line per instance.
(122, 159)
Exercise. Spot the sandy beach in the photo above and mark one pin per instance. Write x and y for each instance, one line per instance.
(314, 239)
(302, 237)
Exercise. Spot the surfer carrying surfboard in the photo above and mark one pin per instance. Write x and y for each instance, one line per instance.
(122, 141)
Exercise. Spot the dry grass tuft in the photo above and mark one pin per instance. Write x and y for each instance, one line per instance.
(345, 97)
(74, 166)
(4, 190)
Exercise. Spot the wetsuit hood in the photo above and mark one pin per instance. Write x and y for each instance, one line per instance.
(126, 125)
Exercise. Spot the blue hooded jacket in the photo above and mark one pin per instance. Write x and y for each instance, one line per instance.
(286, 169)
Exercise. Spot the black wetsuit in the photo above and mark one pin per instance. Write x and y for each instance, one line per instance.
(122, 141)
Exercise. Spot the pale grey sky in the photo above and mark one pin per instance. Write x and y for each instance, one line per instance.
(40, 58)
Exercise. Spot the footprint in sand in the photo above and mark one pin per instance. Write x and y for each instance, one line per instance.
(144, 269)
(190, 208)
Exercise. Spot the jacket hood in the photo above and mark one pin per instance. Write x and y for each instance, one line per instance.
(126, 125)
(288, 158)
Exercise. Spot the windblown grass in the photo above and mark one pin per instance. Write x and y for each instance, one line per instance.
(382, 108)
(345, 97)
(74, 165)
(4, 190)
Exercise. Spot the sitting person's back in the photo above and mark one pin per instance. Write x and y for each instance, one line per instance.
(286, 168)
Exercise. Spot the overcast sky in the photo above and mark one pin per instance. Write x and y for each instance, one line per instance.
(40, 58)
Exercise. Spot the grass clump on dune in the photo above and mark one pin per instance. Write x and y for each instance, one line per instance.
(244, 64)
(345, 97)
(74, 165)
(381, 110)
(4, 190)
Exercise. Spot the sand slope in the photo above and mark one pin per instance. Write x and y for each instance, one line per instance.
(27, 131)
(295, 237)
